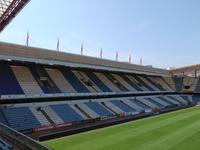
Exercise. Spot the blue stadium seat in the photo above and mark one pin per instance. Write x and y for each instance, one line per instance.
(98, 82)
(9, 84)
(173, 98)
(166, 100)
(156, 85)
(134, 85)
(66, 113)
(196, 99)
(187, 99)
(74, 81)
(2, 118)
(143, 83)
(140, 104)
(123, 106)
(120, 86)
(155, 102)
(98, 109)
(20, 118)
(38, 72)
(35, 74)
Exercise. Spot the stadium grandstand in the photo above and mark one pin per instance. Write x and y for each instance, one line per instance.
(47, 94)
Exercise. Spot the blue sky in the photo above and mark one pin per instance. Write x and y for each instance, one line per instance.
(165, 33)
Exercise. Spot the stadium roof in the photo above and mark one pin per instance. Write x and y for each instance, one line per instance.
(190, 68)
(14, 52)
(9, 9)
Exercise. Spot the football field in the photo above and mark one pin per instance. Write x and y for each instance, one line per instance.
(178, 130)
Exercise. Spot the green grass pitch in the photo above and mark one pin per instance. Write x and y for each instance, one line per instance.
(178, 130)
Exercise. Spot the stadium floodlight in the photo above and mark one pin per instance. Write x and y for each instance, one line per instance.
(9, 9)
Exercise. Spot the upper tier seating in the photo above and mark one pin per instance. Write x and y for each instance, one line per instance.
(107, 82)
(116, 82)
(123, 82)
(160, 83)
(38, 80)
(137, 83)
(60, 81)
(132, 82)
(144, 83)
(86, 81)
(149, 83)
(26, 80)
(43, 79)
(98, 82)
(74, 81)
(20, 118)
(8, 82)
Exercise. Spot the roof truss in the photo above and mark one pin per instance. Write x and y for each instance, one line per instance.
(9, 9)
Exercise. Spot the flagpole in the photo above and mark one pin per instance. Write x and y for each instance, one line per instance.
(58, 44)
(27, 38)
(81, 48)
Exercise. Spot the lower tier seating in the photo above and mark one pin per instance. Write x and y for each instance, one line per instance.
(30, 116)
(20, 118)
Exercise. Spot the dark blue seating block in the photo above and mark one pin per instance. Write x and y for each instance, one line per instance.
(175, 99)
(8, 82)
(35, 74)
(134, 85)
(98, 82)
(167, 101)
(96, 107)
(112, 78)
(21, 118)
(74, 81)
(186, 99)
(155, 84)
(143, 83)
(123, 106)
(155, 102)
(2, 118)
(139, 103)
(196, 99)
(66, 113)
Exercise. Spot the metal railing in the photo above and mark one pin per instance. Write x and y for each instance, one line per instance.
(18, 139)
